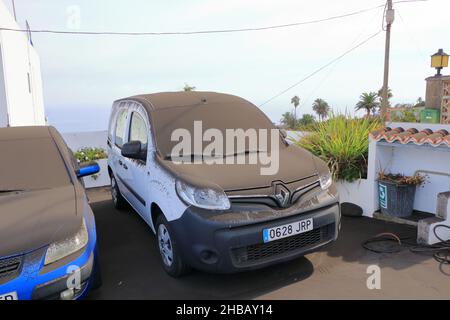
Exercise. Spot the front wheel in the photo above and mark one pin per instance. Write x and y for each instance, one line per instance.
(171, 259)
(118, 200)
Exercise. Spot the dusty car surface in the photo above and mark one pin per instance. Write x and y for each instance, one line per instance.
(47, 228)
(226, 217)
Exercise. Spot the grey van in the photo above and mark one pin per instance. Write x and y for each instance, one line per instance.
(218, 212)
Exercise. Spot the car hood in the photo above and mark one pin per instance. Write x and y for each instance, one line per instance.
(33, 219)
(294, 164)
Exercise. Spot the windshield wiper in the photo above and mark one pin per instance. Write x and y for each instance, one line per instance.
(192, 156)
(11, 190)
(245, 152)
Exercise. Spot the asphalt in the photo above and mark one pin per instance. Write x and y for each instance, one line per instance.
(131, 268)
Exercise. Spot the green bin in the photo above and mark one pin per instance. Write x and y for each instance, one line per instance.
(430, 116)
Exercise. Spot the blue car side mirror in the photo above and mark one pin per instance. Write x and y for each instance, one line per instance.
(88, 169)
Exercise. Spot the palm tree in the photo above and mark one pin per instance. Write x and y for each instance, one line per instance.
(420, 102)
(188, 88)
(390, 95)
(369, 102)
(288, 121)
(296, 102)
(321, 107)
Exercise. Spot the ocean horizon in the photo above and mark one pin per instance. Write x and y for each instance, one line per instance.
(78, 119)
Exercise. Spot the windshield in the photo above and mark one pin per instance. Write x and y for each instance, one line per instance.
(31, 164)
(221, 116)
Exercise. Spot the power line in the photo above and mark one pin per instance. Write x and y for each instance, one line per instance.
(332, 68)
(323, 67)
(280, 26)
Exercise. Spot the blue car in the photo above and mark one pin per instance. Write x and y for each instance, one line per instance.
(48, 242)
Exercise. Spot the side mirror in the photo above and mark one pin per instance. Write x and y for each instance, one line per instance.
(133, 150)
(88, 169)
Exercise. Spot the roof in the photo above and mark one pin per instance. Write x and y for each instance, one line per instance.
(170, 111)
(162, 100)
(415, 136)
(19, 133)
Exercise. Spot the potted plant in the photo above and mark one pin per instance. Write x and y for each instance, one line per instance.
(396, 193)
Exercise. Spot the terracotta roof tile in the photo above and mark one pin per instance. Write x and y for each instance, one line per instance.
(412, 135)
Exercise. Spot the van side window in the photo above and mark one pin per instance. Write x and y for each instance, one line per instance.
(120, 127)
(138, 130)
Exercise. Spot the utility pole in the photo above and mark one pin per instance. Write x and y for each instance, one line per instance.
(390, 16)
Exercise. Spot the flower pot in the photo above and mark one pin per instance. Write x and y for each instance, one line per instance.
(396, 200)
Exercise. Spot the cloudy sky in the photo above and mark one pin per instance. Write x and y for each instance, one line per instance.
(89, 72)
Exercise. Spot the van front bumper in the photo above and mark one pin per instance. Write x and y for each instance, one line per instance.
(233, 241)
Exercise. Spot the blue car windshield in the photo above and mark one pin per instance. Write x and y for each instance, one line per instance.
(31, 164)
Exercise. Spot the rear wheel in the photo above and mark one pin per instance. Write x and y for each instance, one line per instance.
(118, 200)
(171, 259)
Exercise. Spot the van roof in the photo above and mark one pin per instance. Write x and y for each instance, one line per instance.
(162, 100)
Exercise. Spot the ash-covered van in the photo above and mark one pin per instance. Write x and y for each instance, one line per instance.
(217, 182)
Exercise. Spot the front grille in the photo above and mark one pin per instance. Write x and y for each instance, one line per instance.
(259, 253)
(10, 267)
(270, 199)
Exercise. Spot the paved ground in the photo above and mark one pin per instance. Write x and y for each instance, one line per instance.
(131, 268)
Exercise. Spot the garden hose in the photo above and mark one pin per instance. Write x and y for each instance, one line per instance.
(440, 251)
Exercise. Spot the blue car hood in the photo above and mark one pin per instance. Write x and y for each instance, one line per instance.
(34, 219)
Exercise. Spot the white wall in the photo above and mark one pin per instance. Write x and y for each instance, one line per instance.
(21, 81)
(407, 159)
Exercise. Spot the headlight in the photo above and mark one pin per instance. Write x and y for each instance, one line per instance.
(326, 180)
(206, 198)
(63, 248)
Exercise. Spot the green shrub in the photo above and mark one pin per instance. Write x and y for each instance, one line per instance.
(342, 142)
(90, 154)
(406, 115)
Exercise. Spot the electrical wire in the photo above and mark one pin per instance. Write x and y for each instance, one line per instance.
(341, 56)
(411, 36)
(321, 68)
(231, 30)
(440, 251)
(280, 26)
(333, 67)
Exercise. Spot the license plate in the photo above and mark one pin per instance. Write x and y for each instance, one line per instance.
(9, 296)
(287, 230)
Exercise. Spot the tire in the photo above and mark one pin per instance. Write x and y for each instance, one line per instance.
(169, 253)
(97, 274)
(118, 200)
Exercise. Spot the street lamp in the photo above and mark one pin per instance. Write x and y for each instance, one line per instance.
(439, 60)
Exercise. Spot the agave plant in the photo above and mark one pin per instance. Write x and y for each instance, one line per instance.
(343, 142)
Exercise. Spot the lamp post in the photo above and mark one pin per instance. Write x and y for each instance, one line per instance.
(439, 60)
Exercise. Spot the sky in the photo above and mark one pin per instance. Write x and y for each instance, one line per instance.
(83, 75)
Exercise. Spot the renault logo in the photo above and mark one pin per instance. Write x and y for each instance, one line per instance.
(282, 194)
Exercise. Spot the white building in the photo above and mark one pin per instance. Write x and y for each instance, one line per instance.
(21, 97)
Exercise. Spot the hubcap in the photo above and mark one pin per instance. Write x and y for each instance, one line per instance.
(165, 245)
